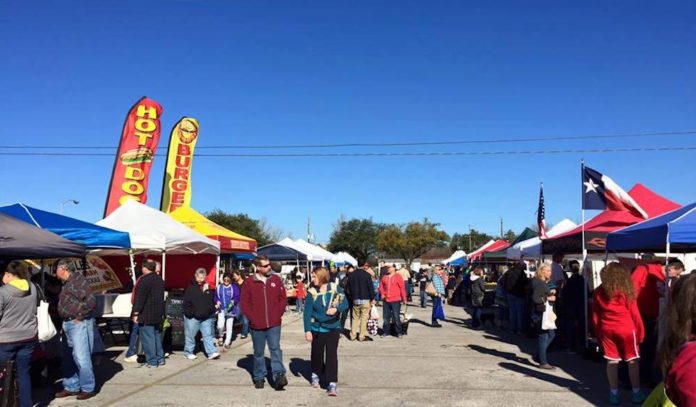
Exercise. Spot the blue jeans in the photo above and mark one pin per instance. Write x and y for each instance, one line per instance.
(245, 324)
(191, 328)
(299, 305)
(133, 342)
(391, 310)
(78, 342)
(423, 298)
(259, 338)
(545, 339)
(516, 305)
(151, 338)
(21, 354)
(476, 317)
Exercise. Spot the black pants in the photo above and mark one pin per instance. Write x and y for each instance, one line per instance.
(325, 354)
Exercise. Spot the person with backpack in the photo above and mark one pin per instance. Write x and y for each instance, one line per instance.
(325, 302)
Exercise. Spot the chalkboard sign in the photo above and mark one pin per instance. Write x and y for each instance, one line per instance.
(175, 315)
(8, 388)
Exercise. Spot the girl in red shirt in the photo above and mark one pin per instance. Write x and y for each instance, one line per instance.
(678, 348)
(619, 328)
(301, 294)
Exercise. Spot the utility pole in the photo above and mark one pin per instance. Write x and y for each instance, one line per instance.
(501, 227)
(309, 229)
(469, 238)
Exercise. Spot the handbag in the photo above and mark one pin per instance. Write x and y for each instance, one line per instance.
(430, 289)
(43, 320)
(439, 311)
(548, 319)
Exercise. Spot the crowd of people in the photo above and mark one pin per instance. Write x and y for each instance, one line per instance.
(625, 316)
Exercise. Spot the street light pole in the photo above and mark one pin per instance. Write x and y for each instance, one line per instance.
(62, 204)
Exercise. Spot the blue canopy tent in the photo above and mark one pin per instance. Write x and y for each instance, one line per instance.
(459, 262)
(673, 231)
(88, 234)
(278, 252)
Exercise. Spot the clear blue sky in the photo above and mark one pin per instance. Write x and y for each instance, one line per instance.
(270, 72)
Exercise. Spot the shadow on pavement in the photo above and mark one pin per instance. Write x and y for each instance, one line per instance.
(503, 355)
(300, 367)
(247, 363)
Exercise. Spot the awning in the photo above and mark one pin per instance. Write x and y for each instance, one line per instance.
(20, 240)
(230, 242)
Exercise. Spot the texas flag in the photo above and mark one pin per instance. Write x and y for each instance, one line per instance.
(601, 192)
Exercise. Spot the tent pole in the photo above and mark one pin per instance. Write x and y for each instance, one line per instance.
(164, 264)
(43, 276)
(132, 263)
(584, 254)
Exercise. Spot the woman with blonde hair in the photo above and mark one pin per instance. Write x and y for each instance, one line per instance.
(619, 328)
(322, 326)
(540, 296)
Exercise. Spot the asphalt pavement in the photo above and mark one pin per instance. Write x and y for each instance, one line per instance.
(453, 365)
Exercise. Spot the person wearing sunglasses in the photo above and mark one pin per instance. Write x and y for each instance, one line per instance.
(263, 302)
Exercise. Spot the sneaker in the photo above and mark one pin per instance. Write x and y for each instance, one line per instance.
(190, 356)
(315, 381)
(280, 382)
(131, 359)
(614, 399)
(214, 356)
(331, 391)
(638, 398)
(166, 355)
(547, 367)
(244, 336)
(400, 336)
(259, 384)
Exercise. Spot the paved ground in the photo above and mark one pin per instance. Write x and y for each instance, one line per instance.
(453, 365)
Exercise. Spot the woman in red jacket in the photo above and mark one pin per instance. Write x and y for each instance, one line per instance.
(678, 348)
(619, 328)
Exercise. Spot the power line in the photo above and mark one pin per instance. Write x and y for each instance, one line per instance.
(397, 144)
(384, 154)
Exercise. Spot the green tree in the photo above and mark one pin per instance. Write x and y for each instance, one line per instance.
(461, 241)
(510, 236)
(257, 229)
(410, 241)
(358, 237)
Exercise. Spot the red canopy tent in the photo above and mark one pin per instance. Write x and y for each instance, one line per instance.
(498, 245)
(597, 228)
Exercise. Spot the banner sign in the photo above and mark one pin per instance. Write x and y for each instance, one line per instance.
(176, 188)
(136, 150)
(99, 274)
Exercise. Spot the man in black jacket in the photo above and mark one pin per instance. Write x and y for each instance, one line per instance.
(516, 286)
(361, 294)
(148, 313)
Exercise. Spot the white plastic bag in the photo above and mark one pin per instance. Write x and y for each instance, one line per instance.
(548, 319)
(46, 328)
(374, 313)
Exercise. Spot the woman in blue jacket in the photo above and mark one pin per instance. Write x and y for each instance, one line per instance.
(227, 306)
(322, 324)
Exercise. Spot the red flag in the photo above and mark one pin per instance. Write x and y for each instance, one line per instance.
(136, 150)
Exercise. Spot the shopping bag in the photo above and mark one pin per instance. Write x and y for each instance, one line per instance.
(374, 313)
(45, 325)
(658, 398)
(439, 311)
(430, 289)
(372, 327)
(548, 319)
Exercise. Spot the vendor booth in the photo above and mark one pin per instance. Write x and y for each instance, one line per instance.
(230, 242)
(531, 248)
(156, 235)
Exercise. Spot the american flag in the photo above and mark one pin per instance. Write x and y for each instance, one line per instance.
(541, 214)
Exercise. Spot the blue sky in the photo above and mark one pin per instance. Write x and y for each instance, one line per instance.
(268, 73)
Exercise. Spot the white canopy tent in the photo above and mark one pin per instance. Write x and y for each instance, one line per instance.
(152, 230)
(456, 255)
(531, 248)
(343, 257)
(318, 252)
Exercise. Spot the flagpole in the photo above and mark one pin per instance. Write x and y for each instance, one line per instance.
(584, 251)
